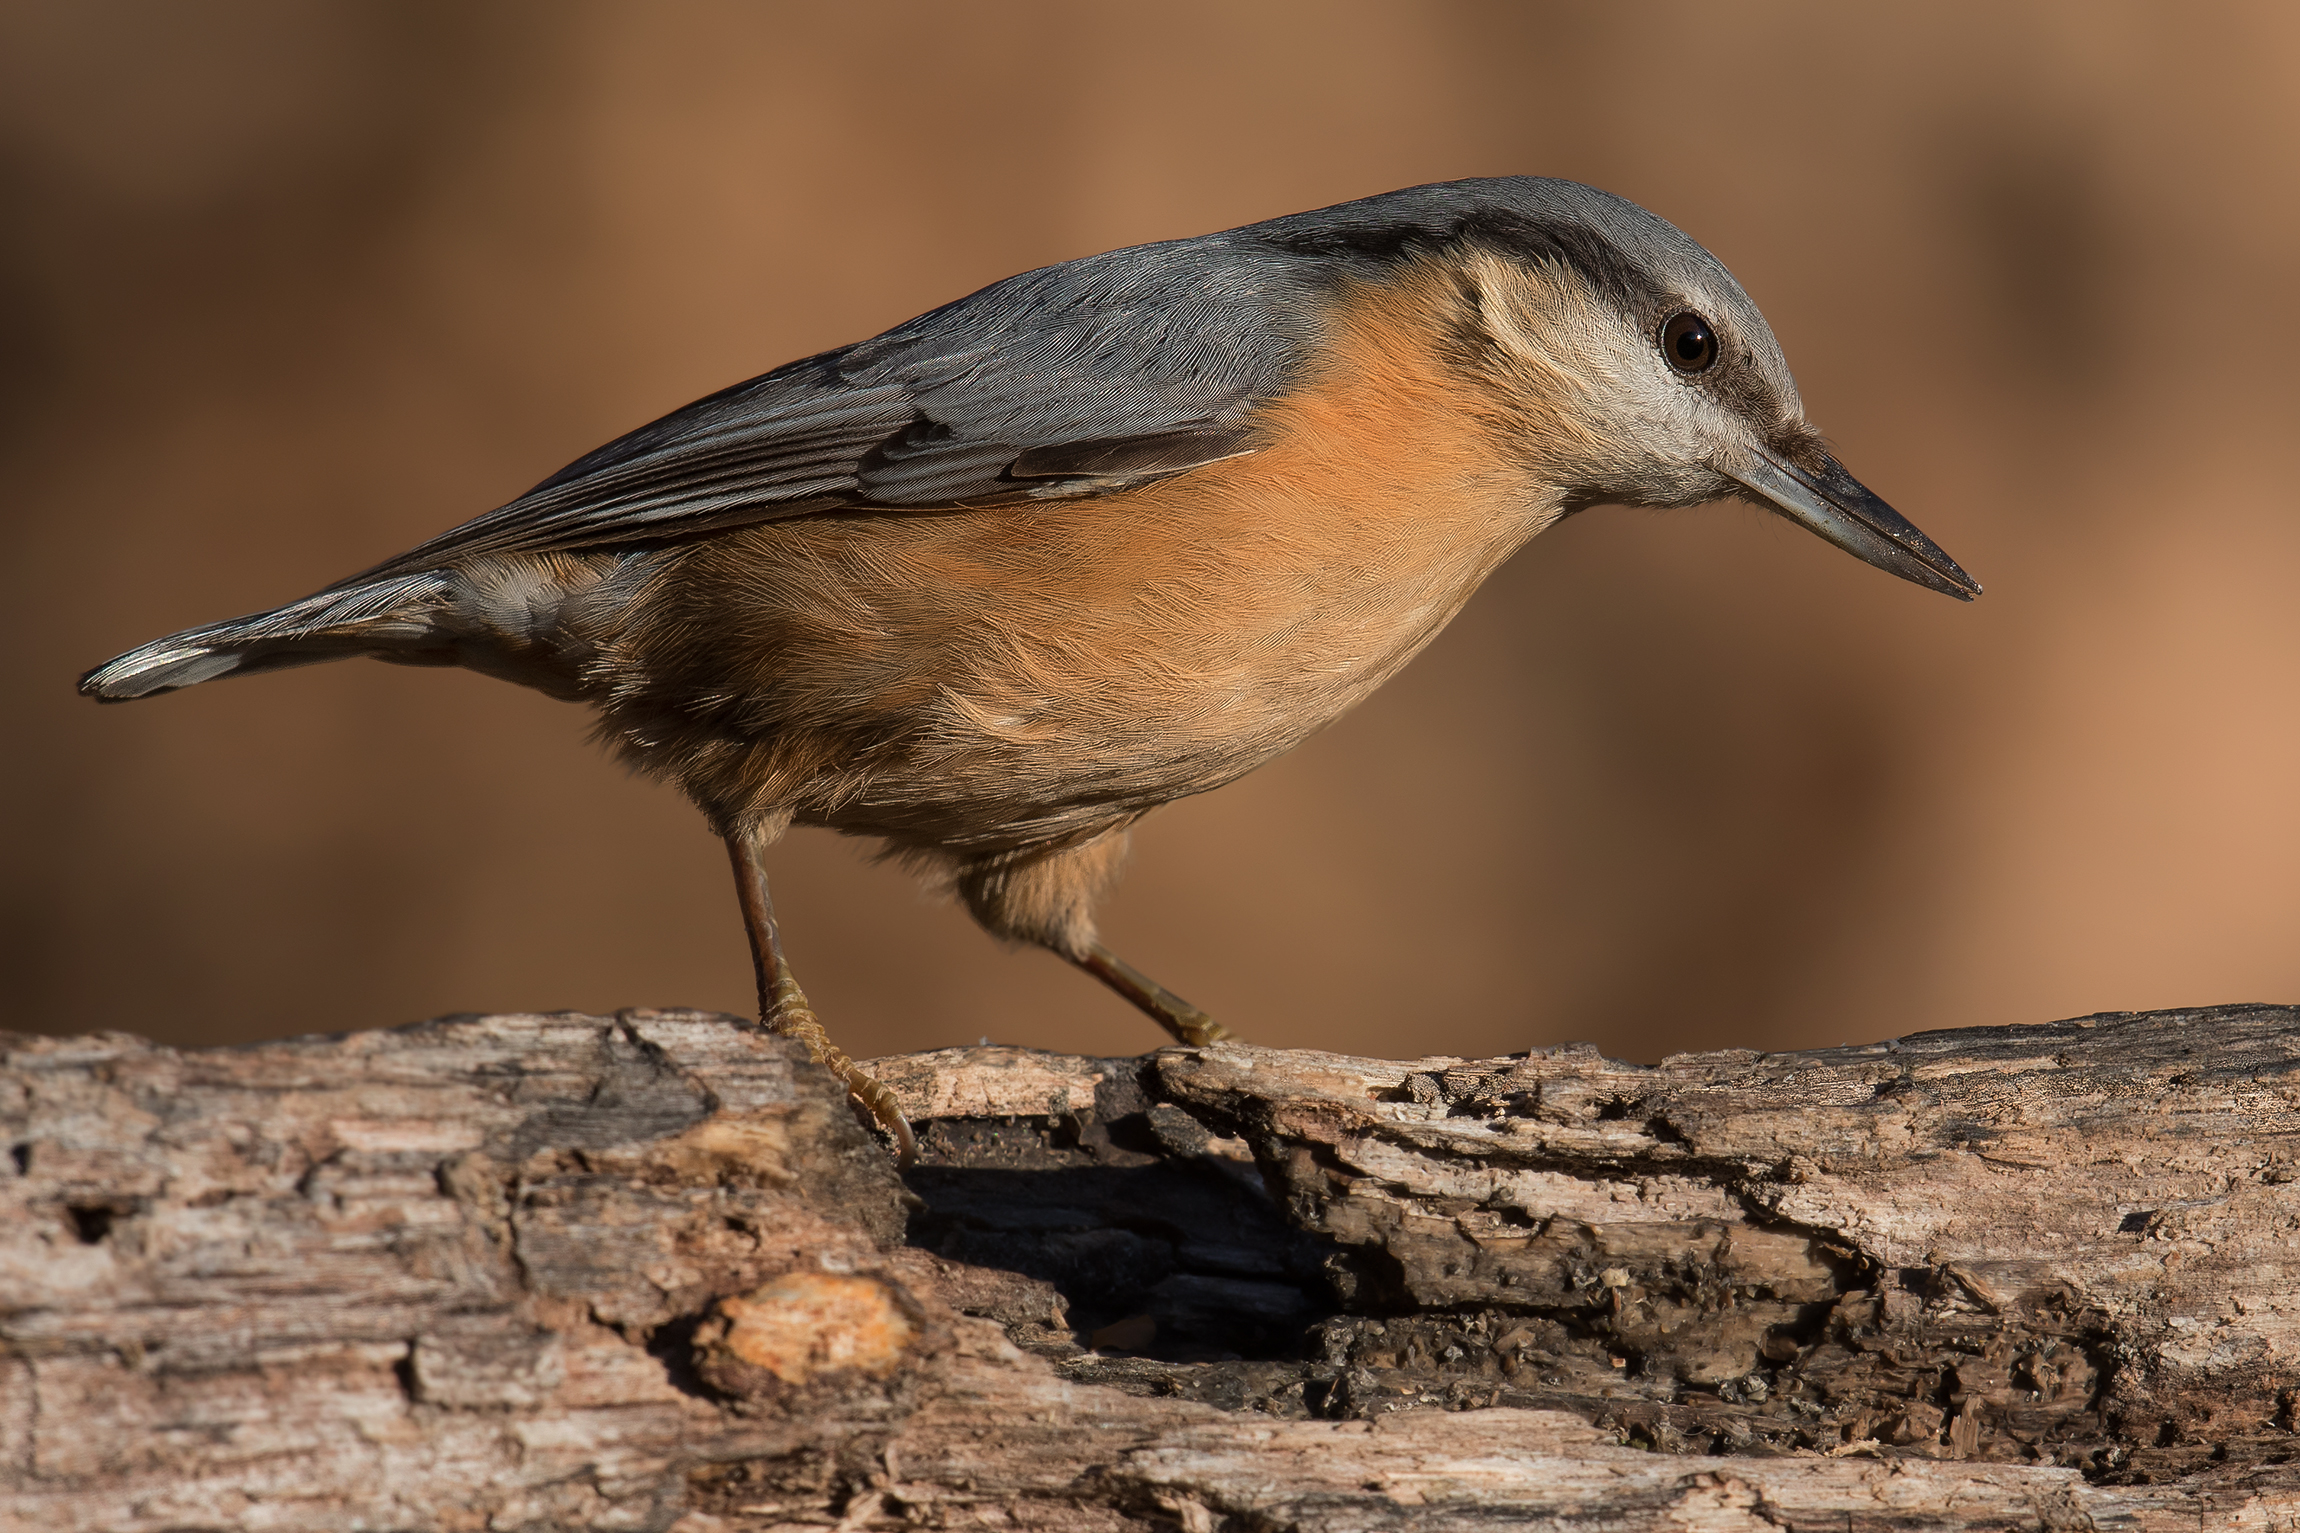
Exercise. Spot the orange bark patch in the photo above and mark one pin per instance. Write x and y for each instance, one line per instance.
(810, 1323)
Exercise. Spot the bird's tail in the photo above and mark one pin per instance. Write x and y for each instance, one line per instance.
(381, 616)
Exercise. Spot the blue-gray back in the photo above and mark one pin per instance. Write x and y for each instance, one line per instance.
(1076, 379)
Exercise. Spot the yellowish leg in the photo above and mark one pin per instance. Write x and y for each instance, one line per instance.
(1185, 1021)
(783, 1005)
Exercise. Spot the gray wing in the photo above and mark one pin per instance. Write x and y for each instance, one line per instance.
(1076, 379)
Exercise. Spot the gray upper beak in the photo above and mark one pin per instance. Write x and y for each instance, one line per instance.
(1840, 508)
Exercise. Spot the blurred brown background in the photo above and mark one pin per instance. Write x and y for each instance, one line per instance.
(285, 288)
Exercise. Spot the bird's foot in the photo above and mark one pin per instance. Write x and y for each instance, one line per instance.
(1193, 1026)
(791, 1016)
(1186, 1022)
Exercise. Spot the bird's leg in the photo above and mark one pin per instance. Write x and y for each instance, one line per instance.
(1185, 1021)
(1046, 895)
(783, 1005)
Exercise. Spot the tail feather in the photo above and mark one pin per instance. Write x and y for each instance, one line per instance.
(377, 616)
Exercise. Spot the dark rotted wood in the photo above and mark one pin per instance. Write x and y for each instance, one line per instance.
(648, 1272)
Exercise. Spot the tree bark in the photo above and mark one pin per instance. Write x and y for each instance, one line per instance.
(648, 1272)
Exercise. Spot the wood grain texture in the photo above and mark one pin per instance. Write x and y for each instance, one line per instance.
(646, 1272)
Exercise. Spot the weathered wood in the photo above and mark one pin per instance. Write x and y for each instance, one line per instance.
(647, 1272)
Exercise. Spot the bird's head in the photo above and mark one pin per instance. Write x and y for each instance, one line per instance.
(1622, 359)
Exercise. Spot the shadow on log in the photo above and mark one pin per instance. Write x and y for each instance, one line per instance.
(647, 1272)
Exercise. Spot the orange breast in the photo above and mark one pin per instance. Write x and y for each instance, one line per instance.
(979, 672)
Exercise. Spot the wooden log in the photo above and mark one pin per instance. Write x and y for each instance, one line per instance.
(648, 1272)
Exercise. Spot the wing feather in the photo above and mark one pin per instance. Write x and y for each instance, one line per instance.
(1078, 379)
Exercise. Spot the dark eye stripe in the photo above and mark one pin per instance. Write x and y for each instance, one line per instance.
(1688, 343)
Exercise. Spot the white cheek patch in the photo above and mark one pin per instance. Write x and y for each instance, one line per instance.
(1645, 432)
(1546, 321)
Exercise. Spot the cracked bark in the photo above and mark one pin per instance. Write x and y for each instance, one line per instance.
(647, 1272)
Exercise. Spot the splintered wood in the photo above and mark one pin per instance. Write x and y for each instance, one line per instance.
(648, 1272)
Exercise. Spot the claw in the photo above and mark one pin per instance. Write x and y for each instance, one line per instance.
(873, 1094)
(1194, 1027)
(791, 1017)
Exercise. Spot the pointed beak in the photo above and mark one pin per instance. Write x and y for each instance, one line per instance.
(1840, 508)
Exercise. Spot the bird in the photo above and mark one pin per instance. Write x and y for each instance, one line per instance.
(993, 585)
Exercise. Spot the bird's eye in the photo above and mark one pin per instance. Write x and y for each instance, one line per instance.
(1689, 343)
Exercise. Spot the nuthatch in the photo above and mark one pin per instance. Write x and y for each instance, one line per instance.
(999, 582)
